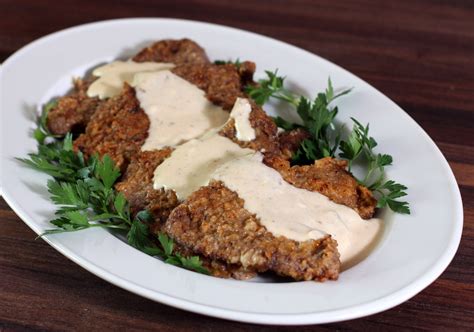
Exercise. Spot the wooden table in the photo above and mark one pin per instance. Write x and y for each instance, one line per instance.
(418, 53)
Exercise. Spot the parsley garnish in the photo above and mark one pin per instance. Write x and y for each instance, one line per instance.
(272, 86)
(317, 118)
(84, 192)
(42, 131)
(360, 144)
(236, 62)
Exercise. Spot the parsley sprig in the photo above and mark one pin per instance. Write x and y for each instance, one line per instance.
(42, 131)
(317, 117)
(360, 145)
(84, 192)
(236, 62)
(271, 87)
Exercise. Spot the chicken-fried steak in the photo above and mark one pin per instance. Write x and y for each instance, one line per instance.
(121, 126)
(214, 223)
(74, 111)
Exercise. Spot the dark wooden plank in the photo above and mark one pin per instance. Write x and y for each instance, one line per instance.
(419, 53)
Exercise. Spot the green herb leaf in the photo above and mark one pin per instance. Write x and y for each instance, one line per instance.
(42, 131)
(138, 235)
(282, 123)
(107, 172)
(236, 63)
(272, 86)
(166, 243)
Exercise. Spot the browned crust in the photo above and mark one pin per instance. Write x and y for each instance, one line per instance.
(119, 128)
(137, 186)
(217, 268)
(266, 140)
(74, 111)
(213, 222)
(329, 177)
(179, 52)
(137, 182)
(290, 141)
(222, 83)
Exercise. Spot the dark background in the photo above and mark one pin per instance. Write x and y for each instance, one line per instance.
(418, 53)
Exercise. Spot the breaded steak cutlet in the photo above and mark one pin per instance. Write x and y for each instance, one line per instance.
(118, 128)
(214, 223)
(137, 181)
(175, 51)
(137, 186)
(328, 176)
(74, 111)
(121, 127)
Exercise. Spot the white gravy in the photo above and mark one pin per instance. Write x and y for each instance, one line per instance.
(178, 110)
(112, 76)
(240, 113)
(296, 213)
(191, 164)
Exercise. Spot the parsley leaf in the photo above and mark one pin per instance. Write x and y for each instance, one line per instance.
(272, 86)
(236, 63)
(42, 131)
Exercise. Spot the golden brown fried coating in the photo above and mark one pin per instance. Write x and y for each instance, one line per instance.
(137, 182)
(329, 177)
(290, 141)
(74, 111)
(216, 267)
(137, 186)
(119, 128)
(214, 223)
(266, 140)
(222, 83)
(179, 52)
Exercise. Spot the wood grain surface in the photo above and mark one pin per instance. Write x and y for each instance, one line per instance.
(418, 53)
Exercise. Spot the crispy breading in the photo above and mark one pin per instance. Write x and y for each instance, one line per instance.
(216, 267)
(329, 177)
(119, 127)
(290, 141)
(222, 83)
(74, 111)
(137, 186)
(137, 182)
(214, 223)
(266, 140)
(180, 52)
